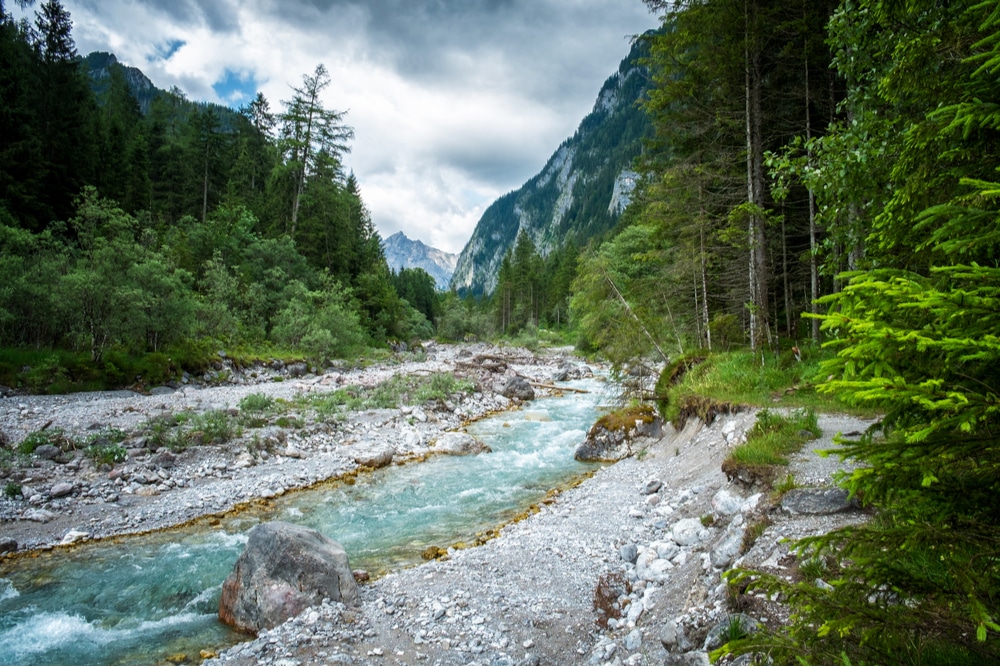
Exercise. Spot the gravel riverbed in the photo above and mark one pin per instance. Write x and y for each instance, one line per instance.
(655, 530)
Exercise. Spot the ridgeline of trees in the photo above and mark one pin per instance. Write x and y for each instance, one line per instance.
(191, 226)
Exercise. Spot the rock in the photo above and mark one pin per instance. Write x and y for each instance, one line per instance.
(652, 486)
(164, 459)
(726, 502)
(633, 640)
(162, 390)
(460, 444)
(653, 429)
(686, 532)
(272, 437)
(39, 515)
(629, 552)
(283, 570)
(560, 374)
(361, 576)
(377, 459)
(61, 490)
(47, 452)
(668, 635)
(244, 460)
(74, 536)
(291, 453)
(517, 387)
(651, 567)
(603, 446)
(728, 548)
(816, 501)
(732, 626)
(297, 369)
(7, 545)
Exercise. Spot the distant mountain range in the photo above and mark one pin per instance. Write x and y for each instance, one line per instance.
(404, 253)
(580, 192)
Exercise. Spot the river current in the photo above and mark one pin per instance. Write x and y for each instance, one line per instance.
(138, 600)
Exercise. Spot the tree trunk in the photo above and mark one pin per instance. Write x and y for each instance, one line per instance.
(813, 250)
(759, 328)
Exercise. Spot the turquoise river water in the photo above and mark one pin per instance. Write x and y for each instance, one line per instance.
(140, 599)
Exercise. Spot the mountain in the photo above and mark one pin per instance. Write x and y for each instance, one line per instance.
(580, 192)
(404, 253)
(100, 66)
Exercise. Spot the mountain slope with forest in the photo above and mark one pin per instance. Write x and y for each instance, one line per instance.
(580, 192)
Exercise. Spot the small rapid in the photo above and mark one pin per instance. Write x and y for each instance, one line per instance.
(138, 600)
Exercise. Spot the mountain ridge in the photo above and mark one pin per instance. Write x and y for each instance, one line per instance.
(579, 193)
(402, 252)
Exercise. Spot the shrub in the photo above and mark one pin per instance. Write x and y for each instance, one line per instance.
(256, 403)
(109, 453)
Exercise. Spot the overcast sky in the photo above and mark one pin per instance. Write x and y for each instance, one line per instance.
(453, 102)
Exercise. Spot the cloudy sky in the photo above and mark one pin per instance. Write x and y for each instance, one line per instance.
(453, 102)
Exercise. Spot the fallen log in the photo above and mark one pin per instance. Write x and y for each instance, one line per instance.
(541, 385)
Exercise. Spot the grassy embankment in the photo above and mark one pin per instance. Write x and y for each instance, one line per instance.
(705, 385)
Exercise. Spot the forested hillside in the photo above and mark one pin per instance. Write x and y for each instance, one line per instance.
(827, 172)
(154, 226)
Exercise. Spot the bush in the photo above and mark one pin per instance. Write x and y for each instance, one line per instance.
(320, 323)
(256, 403)
(52, 436)
(106, 452)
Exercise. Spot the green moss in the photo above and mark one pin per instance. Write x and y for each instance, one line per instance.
(626, 418)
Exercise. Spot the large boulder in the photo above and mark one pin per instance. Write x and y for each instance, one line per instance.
(283, 570)
(612, 438)
(375, 458)
(459, 444)
(517, 387)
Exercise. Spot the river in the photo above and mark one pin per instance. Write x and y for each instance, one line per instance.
(139, 600)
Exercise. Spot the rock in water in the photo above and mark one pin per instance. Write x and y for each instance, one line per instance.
(283, 570)
(460, 444)
(519, 388)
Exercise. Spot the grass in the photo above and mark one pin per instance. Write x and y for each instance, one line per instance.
(392, 393)
(774, 437)
(740, 377)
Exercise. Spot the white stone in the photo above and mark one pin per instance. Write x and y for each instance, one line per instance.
(726, 502)
(74, 536)
(687, 532)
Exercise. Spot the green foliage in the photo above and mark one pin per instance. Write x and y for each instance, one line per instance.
(462, 319)
(106, 453)
(739, 377)
(256, 403)
(136, 225)
(319, 322)
(915, 339)
(12, 489)
(773, 438)
(33, 441)
(214, 427)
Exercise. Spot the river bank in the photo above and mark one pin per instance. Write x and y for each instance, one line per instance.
(657, 529)
(70, 498)
(528, 596)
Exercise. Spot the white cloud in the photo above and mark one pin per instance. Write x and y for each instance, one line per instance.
(453, 103)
